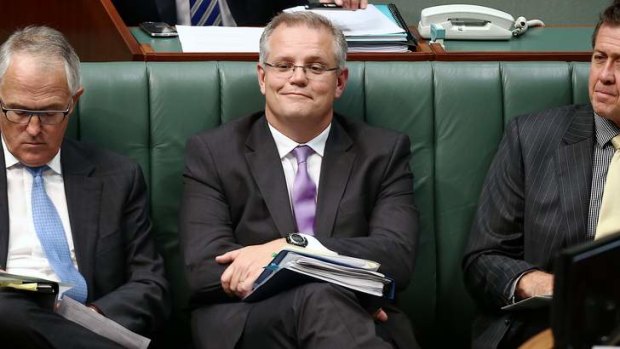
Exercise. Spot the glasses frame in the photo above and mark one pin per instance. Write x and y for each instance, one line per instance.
(38, 113)
(304, 68)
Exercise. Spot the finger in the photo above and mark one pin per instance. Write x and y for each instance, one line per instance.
(380, 315)
(227, 257)
(248, 283)
(225, 279)
(235, 279)
(363, 4)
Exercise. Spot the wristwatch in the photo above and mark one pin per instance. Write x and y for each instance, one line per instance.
(297, 240)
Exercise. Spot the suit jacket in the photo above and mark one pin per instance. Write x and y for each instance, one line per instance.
(534, 202)
(108, 213)
(235, 195)
(258, 12)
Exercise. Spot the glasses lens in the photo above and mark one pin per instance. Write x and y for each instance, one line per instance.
(23, 117)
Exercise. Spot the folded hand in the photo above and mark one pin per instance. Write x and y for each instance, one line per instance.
(246, 264)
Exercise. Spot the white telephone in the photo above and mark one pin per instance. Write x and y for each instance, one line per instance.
(467, 22)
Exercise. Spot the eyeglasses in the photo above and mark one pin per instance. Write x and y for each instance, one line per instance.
(46, 117)
(311, 70)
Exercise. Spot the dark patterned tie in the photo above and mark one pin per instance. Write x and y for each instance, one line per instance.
(304, 192)
(205, 12)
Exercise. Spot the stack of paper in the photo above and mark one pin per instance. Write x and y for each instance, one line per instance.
(291, 267)
(373, 29)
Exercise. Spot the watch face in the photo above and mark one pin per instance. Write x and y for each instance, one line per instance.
(296, 239)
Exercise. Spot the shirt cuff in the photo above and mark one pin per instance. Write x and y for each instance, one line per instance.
(316, 246)
(512, 298)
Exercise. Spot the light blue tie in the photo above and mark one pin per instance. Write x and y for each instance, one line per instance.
(205, 12)
(49, 229)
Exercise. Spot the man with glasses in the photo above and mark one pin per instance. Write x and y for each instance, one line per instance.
(68, 212)
(300, 174)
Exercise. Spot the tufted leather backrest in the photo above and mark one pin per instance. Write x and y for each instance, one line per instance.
(454, 113)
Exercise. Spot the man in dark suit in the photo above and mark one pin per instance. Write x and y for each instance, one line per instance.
(68, 211)
(240, 203)
(543, 192)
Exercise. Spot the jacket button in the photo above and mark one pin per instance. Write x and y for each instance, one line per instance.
(507, 322)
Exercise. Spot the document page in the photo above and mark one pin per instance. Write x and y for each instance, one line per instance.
(86, 317)
(535, 302)
(219, 39)
(366, 22)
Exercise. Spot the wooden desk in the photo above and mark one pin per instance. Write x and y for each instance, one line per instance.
(543, 340)
(552, 43)
(93, 27)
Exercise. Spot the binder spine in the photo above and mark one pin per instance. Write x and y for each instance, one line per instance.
(396, 14)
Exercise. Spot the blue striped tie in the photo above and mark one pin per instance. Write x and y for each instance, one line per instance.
(205, 12)
(49, 229)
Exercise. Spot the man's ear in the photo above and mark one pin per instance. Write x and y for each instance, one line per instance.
(341, 82)
(260, 73)
(76, 97)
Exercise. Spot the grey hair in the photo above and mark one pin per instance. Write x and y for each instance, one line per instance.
(44, 43)
(310, 19)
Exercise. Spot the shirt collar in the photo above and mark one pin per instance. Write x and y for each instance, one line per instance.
(605, 130)
(285, 145)
(10, 160)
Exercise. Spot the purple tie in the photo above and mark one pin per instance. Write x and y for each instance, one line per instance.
(304, 192)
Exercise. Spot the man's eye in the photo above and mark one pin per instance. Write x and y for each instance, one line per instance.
(598, 58)
(283, 66)
(21, 113)
(316, 68)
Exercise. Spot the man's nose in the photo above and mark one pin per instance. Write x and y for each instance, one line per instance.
(34, 125)
(608, 73)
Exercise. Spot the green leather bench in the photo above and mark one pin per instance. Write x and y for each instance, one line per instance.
(454, 113)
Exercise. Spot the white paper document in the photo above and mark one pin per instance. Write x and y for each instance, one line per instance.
(86, 317)
(369, 21)
(530, 303)
(217, 39)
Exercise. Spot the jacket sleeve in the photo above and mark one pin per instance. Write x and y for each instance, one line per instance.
(140, 301)
(494, 257)
(393, 220)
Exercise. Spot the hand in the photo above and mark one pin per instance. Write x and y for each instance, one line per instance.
(246, 264)
(380, 315)
(534, 283)
(351, 4)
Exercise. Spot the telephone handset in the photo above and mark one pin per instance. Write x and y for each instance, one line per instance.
(467, 22)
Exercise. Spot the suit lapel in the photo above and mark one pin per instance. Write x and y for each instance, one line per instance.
(335, 171)
(574, 159)
(83, 200)
(4, 213)
(266, 168)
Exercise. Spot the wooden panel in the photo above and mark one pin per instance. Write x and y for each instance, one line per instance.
(93, 27)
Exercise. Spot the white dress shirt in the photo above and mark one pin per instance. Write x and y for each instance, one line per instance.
(285, 147)
(25, 254)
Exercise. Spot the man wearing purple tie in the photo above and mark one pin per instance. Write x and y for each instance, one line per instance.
(296, 173)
